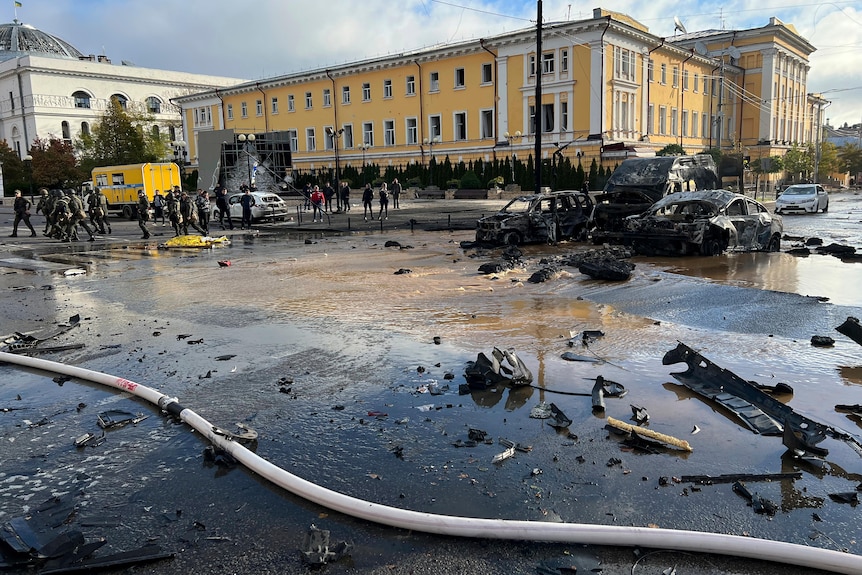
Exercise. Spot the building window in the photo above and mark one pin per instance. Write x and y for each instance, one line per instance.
(487, 74)
(547, 117)
(230, 111)
(308, 101)
(258, 106)
(85, 129)
(366, 92)
(12, 100)
(411, 85)
(460, 125)
(435, 127)
(310, 143)
(532, 62)
(327, 97)
(650, 124)
(293, 138)
(154, 105)
(121, 100)
(328, 138)
(435, 82)
(684, 124)
(387, 88)
(274, 104)
(345, 94)
(291, 103)
(486, 124)
(675, 77)
(548, 63)
(348, 135)
(64, 128)
(82, 99)
(704, 123)
(564, 60)
(368, 134)
(705, 86)
(662, 120)
(412, 129)
(388, 132)
(624, 63)
(674, 127)
(685, 80)
(663, 79)
(531, 111)
(459, 77)
(564, 116)
(243, 109)
(694, 121)
(696, 81)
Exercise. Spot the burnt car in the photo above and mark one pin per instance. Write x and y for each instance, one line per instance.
(704, 222)
(538, 218)
(638, 183)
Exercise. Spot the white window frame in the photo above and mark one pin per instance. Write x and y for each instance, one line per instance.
(435, 126)
(345, 94)
(459, 124)
(258, 107)
(366, 91)
(230, 111)
(243, 107)
(347, 136)
(328, 138)
(327, 97)
(486, 124)
(387, 89)
(368, 134)
(434, 82)
(389, 133)
(310, 140)
(411, 129)
(487, 74)
(293, 137)
(410, 86)
(662, 120)
(309, 101)
(564, 117)
(460, 79)
(548, 63)
(273, 102)
(291, 103)
(564, 60)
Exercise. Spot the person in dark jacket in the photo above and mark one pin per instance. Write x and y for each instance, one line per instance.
(247, 201)
(202, 203)
(384, 202)
(223, 207)
(143, 214)
(345, 196)
(367, 199)
(21, 206)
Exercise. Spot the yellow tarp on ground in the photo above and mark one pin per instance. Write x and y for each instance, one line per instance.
(191, 241)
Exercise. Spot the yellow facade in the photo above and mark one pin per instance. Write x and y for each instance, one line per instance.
(610, 89)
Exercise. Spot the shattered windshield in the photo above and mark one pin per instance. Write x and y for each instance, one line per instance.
(696, 209)
(518, 206)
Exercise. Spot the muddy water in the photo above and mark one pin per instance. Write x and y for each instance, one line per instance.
(325, 333)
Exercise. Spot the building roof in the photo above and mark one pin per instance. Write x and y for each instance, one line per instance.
(17, 39)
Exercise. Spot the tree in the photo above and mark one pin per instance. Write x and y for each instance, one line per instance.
(54, 164)
(850, 159)
(14, 172)
(799, 162)
(671, 150)
(115, 140)
(828, 163)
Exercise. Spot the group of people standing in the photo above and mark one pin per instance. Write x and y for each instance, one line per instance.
(383, 195)
(182, 211)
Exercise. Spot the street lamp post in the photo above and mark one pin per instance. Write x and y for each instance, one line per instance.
(180, 155)
(247, 142)
(28, 163)
(363, 147)
(430, 143)
(335, 134)
(511, 138)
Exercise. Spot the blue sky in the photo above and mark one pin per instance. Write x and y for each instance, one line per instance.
(263, 38)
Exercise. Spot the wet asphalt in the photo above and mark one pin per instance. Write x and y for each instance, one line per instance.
(151, 483)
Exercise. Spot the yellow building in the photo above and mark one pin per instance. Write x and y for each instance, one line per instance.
(610, 89)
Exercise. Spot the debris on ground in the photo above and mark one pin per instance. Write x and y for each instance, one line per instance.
(487, 371)
(543, 275)
(643, 431)
(822, 341)
(114, 418)
(496, 267)
(758, 411)
(733, 477)
(317, 549)
(502, 456)
(217, 456)
(558, 418)
(193, 241)
(851, 329)
(20, 342)
(848, 497)
(402, 271)
(541, 411)
(608, 269)
(517, 446)
(245, 433)
(605, 388)
(639, 414)
(759, 504)
(571, 356)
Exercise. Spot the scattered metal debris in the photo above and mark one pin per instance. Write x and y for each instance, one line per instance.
(318, 550)
(733, 477)
(759, 504)
(115, 418)
(851, 329)
(667, 439)
(487, 371)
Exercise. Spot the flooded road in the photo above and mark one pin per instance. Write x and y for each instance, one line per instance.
(326, 338)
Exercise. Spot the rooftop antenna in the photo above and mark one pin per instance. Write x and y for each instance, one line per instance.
(678, 26)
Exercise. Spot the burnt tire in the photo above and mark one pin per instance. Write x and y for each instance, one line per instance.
(774, 244)
(512, 239)
(712, 246)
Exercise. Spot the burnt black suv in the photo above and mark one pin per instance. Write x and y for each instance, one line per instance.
(537, 218)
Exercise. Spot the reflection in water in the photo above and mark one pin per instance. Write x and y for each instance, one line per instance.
(851, 374)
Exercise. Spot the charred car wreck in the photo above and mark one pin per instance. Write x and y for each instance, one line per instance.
(704, 222)
(638, 183)
(537, 218)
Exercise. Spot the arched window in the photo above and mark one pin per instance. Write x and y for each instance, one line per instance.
(67, 134)
(121, 100)
(82, 99)
(85, 128)
(154, 105)
(172, 132)
(156, 132)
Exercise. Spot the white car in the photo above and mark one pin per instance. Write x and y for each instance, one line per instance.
(265, 206)
(809, 198)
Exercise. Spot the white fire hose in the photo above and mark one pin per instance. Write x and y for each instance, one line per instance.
(694, 541)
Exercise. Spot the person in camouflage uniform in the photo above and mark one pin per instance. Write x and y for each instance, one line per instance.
(98, 205)
(77, 217)
(143, 214)
(172, 204)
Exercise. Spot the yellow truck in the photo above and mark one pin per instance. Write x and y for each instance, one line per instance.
(121, 184)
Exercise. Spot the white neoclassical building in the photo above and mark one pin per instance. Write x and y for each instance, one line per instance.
(49, 89)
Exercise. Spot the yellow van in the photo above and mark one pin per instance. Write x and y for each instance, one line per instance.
(121, 184)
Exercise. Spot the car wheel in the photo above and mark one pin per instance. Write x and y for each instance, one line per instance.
(774, 244)
(712, 247)
(512, 239)
(826, 207)
(129, 212)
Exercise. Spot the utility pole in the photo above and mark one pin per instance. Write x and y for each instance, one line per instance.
(537, 151)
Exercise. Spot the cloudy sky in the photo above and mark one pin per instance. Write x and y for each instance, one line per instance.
(253, 39)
